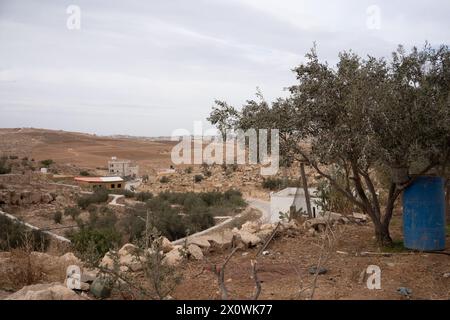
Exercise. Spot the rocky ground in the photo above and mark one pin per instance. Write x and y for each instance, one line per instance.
(283, 268)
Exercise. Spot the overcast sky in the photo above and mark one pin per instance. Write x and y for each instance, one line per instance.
(150, 67)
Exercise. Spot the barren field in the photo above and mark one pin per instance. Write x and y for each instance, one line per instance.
(84, 150)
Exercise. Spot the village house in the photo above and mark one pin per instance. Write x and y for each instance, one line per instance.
(110, 183)
(122, 168)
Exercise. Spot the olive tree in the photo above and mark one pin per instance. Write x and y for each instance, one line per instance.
(364, 117)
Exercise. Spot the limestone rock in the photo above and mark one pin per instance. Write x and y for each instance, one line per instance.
(202, 242)
(127, 249)
(249, 239)
(220, 240)
(173, 257)
(317, 224)
(48, 291)
(264, 234)
(166, 245)
(107, 262)
(195, 252)
(267, 226)
(251, 226)
(69, 258)
(131, 261)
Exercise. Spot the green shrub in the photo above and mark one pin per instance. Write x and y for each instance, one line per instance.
(72, 212)
(57, 217)
(14, 234)
(198, 178)
(164, 179)
(84, 173)
(144, 196)
(188, 170)
(47, 162)
(99, 196)
(99, 233)
(278, 183)
(4, 168)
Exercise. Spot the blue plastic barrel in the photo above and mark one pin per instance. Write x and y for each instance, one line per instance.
(424, 214)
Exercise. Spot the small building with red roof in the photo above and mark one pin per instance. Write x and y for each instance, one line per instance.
(110, 183)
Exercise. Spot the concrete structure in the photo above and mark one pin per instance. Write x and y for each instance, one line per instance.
(282, 201)
(110, 183)
(123, 168)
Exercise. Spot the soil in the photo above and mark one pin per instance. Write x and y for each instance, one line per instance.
(284, 272)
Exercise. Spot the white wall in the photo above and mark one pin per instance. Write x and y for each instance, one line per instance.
(282, 203)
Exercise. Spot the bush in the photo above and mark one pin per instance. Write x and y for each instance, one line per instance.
(73, 212)
(198, 178)
(4, 168)
(127, 193)
(188, 170)
(99, 196)
(164, 179)
(13, 234)
(47, 162)
(144, 196)
(98, 234)
(84, 173)
(13, 157)
(57, 217)
(278, 183)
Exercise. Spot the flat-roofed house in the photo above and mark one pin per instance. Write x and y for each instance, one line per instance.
(110, 183)
(123, 168)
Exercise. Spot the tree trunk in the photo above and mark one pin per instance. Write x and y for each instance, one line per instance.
(382, 234)
(305, 189)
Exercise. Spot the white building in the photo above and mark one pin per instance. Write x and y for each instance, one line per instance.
(282, 201)
(122, 168)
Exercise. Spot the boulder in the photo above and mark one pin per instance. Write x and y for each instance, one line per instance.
(318, 224)
(107, 262)
(127, 249)
(85, 286)
(220, 240)
(101, 287)
(195, 252)
(173, 257)
(48, 291)
(360, 216)
(131, 261)
(88, 276)
(249, 239)
(264, 234)
(201, 242)
(166, 245)
(291, 225)
(69, 258)
(251, 226)
(267, 226)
